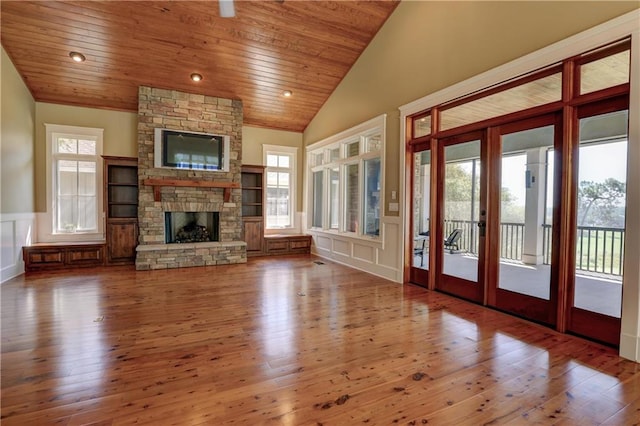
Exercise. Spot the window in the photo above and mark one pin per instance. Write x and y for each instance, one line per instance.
(371, 206)
(317, 199)
(74, 181)
(346, 182)
(352, 195)
(281, 177)
(334, 198)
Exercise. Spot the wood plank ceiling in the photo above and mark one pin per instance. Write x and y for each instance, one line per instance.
(271, 46)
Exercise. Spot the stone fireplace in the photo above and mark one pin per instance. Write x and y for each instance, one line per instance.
(164, 192)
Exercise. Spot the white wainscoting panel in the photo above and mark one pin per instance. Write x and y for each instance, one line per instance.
(381, 257)
(389, 255)
(342, 247)
(16, 230)
(323, 243)
(364, 253)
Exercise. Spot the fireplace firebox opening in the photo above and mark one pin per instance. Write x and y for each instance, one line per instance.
(191, 227)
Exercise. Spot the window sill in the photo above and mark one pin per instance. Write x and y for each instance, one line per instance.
(373, 241)
(70, 238)
(287, 230)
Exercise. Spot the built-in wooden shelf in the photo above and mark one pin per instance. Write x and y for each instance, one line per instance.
(159, 183)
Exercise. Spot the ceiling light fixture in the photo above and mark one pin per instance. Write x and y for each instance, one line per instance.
(77, 56)
(287, 93)
(227, 8)
(196, 77)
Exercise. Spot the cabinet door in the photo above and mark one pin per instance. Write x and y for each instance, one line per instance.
(85, 256)
(122, 242)
(253, 235)
(301, 245)
(42, 258)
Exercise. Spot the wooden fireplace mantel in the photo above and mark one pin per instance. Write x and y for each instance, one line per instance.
(159, 183)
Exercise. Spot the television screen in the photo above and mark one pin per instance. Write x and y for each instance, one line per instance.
(189, 150)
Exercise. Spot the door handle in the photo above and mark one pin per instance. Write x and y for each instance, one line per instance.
(483, 227)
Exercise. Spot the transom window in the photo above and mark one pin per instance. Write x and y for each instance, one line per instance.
(597, 70)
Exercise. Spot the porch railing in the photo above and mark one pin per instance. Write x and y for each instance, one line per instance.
(598, 249)
(511, 235)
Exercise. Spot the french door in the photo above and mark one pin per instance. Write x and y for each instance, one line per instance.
(461, 216)
(598, 221)
(517, 218)
(522, 259)
(421, 215)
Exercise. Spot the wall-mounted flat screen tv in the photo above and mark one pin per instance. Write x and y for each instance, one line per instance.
(178, 149)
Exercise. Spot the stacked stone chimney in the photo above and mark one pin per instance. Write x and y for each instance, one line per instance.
(170, 109)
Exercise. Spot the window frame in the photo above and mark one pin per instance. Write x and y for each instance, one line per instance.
(292, 153)
(47, 224)
(361, 134)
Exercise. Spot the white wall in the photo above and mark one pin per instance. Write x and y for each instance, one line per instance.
(16, 230)
(17, 198)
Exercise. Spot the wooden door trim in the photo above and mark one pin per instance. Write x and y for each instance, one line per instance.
(525, 306)
(491, 175)
(595, 326)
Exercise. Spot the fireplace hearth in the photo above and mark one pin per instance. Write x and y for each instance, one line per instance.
(191, 227)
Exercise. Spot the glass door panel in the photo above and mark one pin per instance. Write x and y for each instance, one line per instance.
(525, 221)
(602, 173)
(421, 206)
(525, 226)
(461, 209)
(460, 243)
(596, 299)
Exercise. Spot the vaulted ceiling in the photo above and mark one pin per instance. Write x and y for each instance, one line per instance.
(270, 46)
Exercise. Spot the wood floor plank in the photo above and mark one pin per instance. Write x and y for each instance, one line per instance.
(286, 341)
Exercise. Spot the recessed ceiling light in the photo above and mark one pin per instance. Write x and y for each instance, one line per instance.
(77, 56)
(287, 93)
(196, 77)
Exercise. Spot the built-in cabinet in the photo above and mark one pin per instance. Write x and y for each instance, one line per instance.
(121, 206)
(49, 256)
(253, 220)
(287, 244)
(253, 208)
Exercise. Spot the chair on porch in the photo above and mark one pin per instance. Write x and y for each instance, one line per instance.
(451, 242)
(420, 248)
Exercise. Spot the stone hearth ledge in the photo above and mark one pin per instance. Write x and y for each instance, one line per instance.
(169, 256)
(187, 246)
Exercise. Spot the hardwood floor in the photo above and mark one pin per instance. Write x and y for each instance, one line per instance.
(285, 340)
